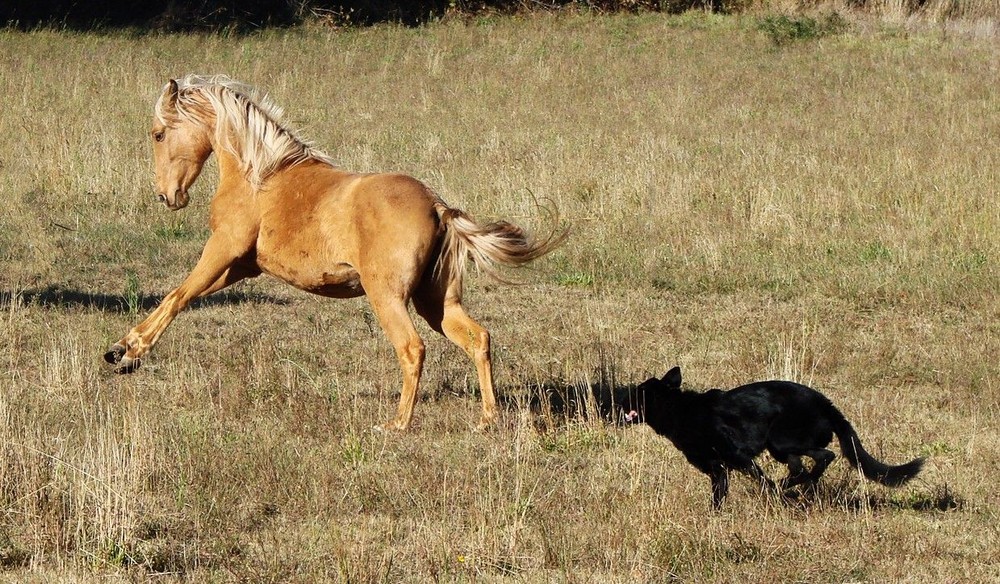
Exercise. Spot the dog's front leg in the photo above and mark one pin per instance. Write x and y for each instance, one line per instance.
(766, 484)
(720, 485)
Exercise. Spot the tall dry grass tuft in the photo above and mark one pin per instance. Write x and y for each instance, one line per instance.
(74, 470)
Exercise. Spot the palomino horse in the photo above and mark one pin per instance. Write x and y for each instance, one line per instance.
(282, 207)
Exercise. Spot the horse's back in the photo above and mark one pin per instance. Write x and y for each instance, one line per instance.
(317, 220)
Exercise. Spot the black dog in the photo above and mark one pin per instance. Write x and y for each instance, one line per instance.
(718, 431)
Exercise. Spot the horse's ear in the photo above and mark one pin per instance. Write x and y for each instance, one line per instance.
(673, 378)
(169, 99)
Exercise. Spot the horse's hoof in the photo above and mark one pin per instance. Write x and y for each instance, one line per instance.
(117, 357)
(485, 424)
(127, 365)
(392, 426)
(115, 354)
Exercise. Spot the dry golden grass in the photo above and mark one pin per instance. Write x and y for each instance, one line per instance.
(824, 211)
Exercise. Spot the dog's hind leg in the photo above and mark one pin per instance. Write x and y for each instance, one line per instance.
(821, 459)
(757, 473)
(797, 473)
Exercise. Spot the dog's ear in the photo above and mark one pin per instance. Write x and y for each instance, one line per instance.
(673, 378)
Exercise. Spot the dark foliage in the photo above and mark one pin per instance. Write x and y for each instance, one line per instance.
(247, 15)
(171, 15)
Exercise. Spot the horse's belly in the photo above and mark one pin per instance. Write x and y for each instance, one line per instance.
(339, 280)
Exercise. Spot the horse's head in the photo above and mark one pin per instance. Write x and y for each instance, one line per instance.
(181, 144)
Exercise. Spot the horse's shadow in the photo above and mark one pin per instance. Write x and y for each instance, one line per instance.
(58, 297)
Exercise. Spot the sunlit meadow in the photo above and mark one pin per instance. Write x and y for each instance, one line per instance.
(822, 209)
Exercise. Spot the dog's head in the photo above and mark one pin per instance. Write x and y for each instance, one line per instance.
(651, 392)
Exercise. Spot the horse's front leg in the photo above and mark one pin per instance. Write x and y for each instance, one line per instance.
(235, 273)
(216, 269)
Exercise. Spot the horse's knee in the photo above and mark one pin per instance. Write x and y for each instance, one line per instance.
(415, 350)
(482, 345)
(411, 352)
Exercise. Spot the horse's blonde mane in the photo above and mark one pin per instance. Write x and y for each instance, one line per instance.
(247, 123)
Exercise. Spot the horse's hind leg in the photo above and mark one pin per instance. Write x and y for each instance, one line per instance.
(395, 321)
(445, 313)
(475, 340)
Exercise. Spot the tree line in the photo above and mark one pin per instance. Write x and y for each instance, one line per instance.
(177, 15)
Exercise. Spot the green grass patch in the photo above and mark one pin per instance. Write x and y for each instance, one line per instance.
(783, 29)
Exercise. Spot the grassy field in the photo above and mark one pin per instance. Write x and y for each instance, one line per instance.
(823, 210)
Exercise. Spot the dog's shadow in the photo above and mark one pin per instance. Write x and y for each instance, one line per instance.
(555, 403)
(851, 495)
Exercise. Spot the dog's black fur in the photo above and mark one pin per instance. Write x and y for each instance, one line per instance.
(718, 431)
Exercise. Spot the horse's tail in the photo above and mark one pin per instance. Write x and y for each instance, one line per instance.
(487, 246)
(873, 469)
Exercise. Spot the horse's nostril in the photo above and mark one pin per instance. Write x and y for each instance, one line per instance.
(162, 198)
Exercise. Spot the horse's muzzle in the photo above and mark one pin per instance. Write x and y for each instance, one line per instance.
(179, 201)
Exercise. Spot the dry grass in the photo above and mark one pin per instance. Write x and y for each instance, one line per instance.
(823, 211)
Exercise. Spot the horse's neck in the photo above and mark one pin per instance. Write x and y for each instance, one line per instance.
(231, 175)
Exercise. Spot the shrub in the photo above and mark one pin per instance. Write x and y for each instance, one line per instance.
(783, 29)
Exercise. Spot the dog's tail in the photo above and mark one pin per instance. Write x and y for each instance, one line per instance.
(873, 469)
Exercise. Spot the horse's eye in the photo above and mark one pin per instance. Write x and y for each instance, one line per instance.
(158, 136)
